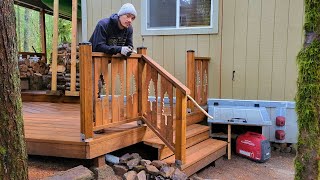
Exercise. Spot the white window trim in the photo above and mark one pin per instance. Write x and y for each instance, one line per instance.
(213, 29)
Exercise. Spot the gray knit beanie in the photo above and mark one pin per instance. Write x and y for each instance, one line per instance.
(127, 9)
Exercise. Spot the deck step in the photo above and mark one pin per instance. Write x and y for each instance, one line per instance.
(195, 134)
(201, 155)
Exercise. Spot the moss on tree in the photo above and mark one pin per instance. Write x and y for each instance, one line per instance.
(307, 164)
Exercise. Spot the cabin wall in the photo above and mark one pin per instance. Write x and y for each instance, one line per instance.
(252, 57)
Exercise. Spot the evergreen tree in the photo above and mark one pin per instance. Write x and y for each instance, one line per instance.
(13, 156)
(307, 162)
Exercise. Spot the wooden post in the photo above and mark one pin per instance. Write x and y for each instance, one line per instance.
(181, 127)
(99, 161)
(55, 45)
(74, 45)
(72, 91)
(142, 50)
(191, 76)
(86, 91)
(143, 93)
(43, 33)
(229, 141)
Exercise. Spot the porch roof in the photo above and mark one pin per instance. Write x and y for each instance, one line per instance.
(65, 9)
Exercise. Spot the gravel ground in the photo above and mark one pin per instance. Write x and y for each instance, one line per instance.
(280, 166)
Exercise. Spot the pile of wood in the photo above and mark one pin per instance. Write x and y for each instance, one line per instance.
(64, 69)
(32, 65)
(32, 70)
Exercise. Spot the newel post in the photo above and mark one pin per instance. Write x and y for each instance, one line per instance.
(181, 127)
(142, 50)
(191, 76)
(86, 91)
(143, 89)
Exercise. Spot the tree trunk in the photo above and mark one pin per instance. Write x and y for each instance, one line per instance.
(13, 157)
(307, 162)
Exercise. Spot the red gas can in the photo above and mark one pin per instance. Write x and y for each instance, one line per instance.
(253, 146)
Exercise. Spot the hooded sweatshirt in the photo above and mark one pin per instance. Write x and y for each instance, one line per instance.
(109, 38)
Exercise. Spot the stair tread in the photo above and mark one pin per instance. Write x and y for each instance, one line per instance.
(192, 130)
(198, 152)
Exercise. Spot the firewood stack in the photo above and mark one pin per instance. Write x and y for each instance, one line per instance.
(68, 82)
(31, 70)
(64, 68)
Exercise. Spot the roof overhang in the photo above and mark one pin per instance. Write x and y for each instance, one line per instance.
(38, 5)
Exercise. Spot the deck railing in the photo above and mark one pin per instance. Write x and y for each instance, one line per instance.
(197, 78)
(117, 90)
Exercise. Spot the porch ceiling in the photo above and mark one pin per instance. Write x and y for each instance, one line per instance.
(37, 5)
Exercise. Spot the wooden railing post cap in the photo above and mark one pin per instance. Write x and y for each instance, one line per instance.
(190, 51)
(85, 43)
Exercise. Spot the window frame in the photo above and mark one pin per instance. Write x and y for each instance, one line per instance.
(212, 29)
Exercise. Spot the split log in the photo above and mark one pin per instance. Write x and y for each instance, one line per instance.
(69, 79)
(23, 68)
(68, 89)
(69, 84)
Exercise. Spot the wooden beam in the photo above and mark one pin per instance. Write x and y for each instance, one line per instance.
(55, 45)
(43, 33)
(74, 45)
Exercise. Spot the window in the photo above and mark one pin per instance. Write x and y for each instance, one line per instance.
(168, 17)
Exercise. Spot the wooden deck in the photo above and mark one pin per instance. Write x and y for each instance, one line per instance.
(53, 129)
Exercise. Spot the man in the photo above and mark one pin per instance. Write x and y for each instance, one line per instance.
(114, 34)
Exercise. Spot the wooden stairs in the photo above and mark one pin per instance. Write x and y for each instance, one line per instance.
(201, 149)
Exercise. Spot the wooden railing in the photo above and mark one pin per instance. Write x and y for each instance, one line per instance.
(139, 89)
(197, 78)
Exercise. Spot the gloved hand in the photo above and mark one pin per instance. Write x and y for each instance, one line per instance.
(126, 51)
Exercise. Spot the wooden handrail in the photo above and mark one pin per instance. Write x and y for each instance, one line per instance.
(137, 77)
(167, 75)
(101, 54)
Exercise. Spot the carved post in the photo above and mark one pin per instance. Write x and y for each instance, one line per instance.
(86, 91)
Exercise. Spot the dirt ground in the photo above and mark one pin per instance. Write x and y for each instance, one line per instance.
(280, 166)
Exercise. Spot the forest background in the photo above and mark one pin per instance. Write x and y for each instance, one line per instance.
(28, 30)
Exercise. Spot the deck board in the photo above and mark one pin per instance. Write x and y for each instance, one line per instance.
(52, 121)
(53, 129)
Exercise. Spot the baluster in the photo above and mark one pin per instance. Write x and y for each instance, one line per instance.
(132, 87)
(97, 101)
(105, 100)
(205, 81)
(198, 81)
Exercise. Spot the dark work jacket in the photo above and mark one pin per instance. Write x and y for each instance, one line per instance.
(109, 38)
